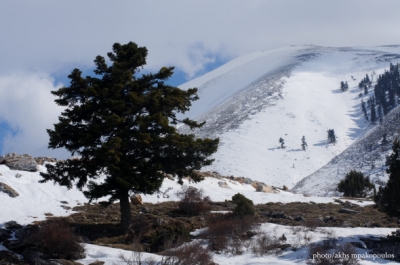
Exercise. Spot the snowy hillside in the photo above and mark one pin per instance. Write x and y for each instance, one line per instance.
(254, 100)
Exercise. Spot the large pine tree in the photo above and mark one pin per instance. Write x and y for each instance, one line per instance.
(388, 197)
(120, 126)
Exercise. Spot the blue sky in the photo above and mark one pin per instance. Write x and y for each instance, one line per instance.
(43, 40)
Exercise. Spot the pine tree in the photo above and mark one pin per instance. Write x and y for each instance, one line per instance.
(388, 197)
(121, 127)
(364, 110)
(373, 112)
(355, 184)
(282, 142)
(331, 136)
(303, 143)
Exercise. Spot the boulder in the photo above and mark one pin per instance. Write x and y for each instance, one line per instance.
(136, 199)
(346, 210)
(223, 184)
(41, 160)
(20, 162)
(261, 187)
(8, 190)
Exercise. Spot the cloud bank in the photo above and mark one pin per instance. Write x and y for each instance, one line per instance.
(53, 37)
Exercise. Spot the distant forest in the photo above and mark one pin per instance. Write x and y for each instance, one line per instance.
(386, 94)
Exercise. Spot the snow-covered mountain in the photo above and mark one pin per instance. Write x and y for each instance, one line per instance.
(253, 101)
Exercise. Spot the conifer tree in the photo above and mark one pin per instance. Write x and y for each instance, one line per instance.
(373, 112)
(388, 197)
(364, 110)
(121, 127)
(355, 184)
(331, 136)
(282, 142)
(303, 143)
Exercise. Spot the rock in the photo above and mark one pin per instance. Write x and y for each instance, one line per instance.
(277, 215)
(42, 160)
(247, 181)
(285, 187)
(169, 176)
(299, 218)
(20, 162)
(261, 187)
(330, 219)
(8, 190)
(2, 159)
(18, 175)
(136, 199)
(346, 210)
(223, 184)
(12, 225)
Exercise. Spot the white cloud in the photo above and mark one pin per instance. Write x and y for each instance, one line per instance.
(53, 37)
(27, 105)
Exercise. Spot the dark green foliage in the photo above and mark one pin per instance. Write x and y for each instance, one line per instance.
(387, 89)
(282, 142)
(344, 86)
(355, 184)
(331, 136)
(364, 110)
(244, 206)
(120, 125)
(373, 111)
(388, 197)
(303, 143)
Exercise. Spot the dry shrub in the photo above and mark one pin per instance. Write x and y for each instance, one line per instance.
(192, 253)
(264, 244)
(223, 228)
(312, 224)
(328, 252)
(56, 240)
(192, 201)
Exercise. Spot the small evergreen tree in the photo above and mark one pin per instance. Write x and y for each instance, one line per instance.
(388, 197)
(373, 112)
(364, 110)
(355, 184)
(303, 143)
(244, 206)
(282, 142)
(331, 136)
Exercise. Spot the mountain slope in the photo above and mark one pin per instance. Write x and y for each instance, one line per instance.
(253, 101)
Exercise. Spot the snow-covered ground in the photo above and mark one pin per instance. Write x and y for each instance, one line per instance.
(36, 199)
(297, 95)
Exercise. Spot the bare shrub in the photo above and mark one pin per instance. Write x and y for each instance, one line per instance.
(56, 240)
(312, 224)
(224, 227)
(301, 240)
(328, 252)
(192, 201)
(296, 229)
(134, 259)
(191, 253)
(265, 244)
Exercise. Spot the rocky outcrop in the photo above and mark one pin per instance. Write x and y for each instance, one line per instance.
(261, 187)
(19, 162)
(8, 190)
(41, 160)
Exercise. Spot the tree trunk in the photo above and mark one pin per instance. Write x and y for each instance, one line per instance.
(125, 208)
